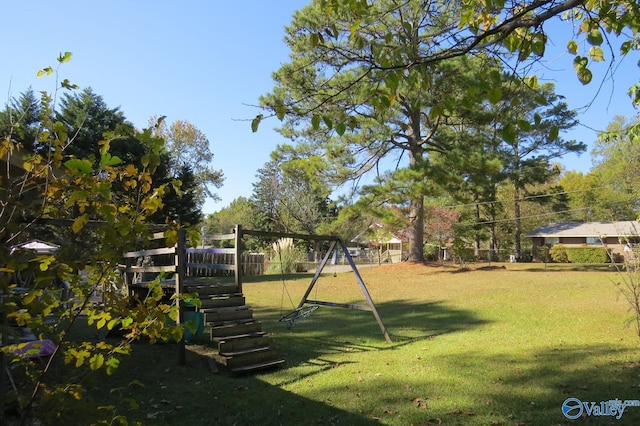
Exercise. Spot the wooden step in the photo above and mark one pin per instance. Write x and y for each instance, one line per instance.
(233, 329)
(211, 289)
(231, 338)
(217, 316)
(224, 309)
(232, 345)
(246, 357)
(208, 301)
(257, 366)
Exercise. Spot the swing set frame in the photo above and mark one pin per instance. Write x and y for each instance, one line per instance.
(306, 304)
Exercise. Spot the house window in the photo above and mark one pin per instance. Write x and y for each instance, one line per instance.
(594, 241)
(551, 241)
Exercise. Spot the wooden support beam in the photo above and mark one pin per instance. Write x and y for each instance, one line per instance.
(180, 260)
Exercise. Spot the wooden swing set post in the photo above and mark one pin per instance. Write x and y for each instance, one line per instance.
(365, 291)
(317, 274)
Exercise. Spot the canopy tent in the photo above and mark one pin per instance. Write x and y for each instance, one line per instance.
(37, 245)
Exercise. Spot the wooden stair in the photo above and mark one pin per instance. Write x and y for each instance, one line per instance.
(242, 346)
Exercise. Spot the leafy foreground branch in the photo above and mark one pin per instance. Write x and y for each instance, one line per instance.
(93, 208)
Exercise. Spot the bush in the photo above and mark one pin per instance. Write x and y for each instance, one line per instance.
(558, 253)
(431, 252)
(286, 257)
(543, 254)
(588, 255)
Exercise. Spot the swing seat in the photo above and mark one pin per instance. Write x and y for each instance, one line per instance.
(298, 314)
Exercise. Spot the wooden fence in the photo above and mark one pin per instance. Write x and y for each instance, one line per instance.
(197, 258)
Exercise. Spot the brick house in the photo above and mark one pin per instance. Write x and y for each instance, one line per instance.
(614, 235)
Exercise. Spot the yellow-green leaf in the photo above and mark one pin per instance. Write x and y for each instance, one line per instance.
(572, 47)
(96, 361)
(112, 323)
(79, 223)
(596, 53)
(101, 323)
(45, 71)
(64, 57)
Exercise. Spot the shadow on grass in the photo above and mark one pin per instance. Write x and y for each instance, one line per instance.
(150, 388)
(333, 330)
(530, 389)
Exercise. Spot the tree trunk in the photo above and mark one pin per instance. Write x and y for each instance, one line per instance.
(476, 245)
(518, 227)
(416, 228)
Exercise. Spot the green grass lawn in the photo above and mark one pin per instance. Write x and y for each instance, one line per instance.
(489, 346)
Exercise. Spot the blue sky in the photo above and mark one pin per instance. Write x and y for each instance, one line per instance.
(208, 62)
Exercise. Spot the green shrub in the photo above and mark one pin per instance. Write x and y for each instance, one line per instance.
(558, 253)
(588, 255)
(285, 257)
(431, 251)
(543, 254)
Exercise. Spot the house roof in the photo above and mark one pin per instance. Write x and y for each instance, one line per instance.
(37, 245)
(367, 237)
(588, 229)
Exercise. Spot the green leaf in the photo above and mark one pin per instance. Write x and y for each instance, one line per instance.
(256, 122)
(315, 121)
(435, 112)
(580, 65)
(509, 133)
(537, 119)
(109, 160)
(82, 166)
(572, 47)
(281, 110)
(495, 76)
(585, 76)
(594, 37)
(112, 365)
(626, 47)
(634, 94)
(352, 122)
(64, 57)
(524, 125)
(327, 122)
(554, 133)
(495, 95)
(314, 40)
(392, 81)
(341, 127)
(538, 44)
